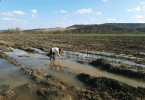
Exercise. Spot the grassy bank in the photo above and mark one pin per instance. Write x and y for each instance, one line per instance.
(93, 34)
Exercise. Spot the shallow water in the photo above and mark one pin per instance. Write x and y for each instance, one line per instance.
(42, 62)
(92, 57)
(66, 69)
(11, 76)
(24, 93)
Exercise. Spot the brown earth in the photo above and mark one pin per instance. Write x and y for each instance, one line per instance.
(134, 72)
(125, 45)
(128, 45)
(112, 89)
(49, 87)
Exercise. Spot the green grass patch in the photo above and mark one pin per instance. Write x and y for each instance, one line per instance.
(91, 34)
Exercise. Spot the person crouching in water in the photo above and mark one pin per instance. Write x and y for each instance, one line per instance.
(55, 51)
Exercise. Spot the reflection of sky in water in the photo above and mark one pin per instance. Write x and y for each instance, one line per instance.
(68, 65)
(11, 75)
(20, 53)
(82, 56)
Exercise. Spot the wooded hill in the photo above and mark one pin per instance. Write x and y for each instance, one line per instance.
(108, 28)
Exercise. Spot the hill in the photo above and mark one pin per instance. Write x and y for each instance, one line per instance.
(108, 28)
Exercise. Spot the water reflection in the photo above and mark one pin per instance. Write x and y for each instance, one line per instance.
(55, 64)
(11, 76)
(66, 69)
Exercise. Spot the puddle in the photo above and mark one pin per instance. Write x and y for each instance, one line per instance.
(26, 94)
(82, 56)
(11, 76)
(113, 54)
(66, 69)
(42, 62)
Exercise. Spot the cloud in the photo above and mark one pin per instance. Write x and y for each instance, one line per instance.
(34, 11)
(104, 0)
(137, 16)
(19, 12)
(7, 19)
(7, 14)
(13, 19)
(63, 11)
(12, 13)
(111, 19)
(83, 11)
(142, 3)
(98, 13)
(134, 9)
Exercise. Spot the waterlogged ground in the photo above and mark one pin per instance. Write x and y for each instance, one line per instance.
(27, 73)
(67, 69)
(11, 76)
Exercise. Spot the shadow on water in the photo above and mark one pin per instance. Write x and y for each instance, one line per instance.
(67, 69)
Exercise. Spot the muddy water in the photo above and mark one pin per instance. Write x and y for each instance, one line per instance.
(91, 57)
(66, 69)
(11, 76)
(42, 62)
(24, 93)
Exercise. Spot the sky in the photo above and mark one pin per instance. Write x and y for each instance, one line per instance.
(32, 14)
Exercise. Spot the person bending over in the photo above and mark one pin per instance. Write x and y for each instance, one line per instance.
(55, 52)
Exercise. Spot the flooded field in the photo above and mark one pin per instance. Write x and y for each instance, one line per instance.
(11, 76)
(68, 68)
(26, 72)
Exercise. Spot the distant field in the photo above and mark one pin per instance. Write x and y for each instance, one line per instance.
(94, 34)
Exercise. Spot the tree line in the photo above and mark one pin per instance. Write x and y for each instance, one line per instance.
(108, 28)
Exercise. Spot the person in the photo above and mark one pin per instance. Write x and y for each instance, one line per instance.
(55, 51)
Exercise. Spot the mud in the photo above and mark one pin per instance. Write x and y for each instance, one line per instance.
(135, 72)
(8, 95)
(50, 87)
(53, 89)
(8, 58)
(112, 88)
(119, 45)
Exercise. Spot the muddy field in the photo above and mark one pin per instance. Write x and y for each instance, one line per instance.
(95, 68)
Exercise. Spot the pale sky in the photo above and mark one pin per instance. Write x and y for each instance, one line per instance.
(31, 14)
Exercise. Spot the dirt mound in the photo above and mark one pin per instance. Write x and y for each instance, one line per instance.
(10, 59)
(7, 95)
(49, 94)
(114, 88)
(6, 43)
(26, 48)
(101, 62)
(134, 72)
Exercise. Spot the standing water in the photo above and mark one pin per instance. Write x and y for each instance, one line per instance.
(66, 69)
(11, 76)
